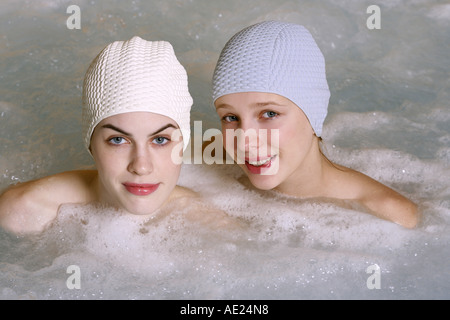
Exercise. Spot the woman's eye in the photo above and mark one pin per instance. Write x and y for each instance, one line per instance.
(229, 118)
(160, 140)
(117, 140)
(269, 114)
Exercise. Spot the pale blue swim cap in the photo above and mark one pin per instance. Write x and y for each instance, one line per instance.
(276, 57)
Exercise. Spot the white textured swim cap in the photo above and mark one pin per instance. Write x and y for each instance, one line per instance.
(276, 57)
(136, 75)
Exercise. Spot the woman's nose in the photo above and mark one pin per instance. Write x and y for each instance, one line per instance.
(249, 137)
(141, 162)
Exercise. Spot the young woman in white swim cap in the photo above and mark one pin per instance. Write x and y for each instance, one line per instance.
(270, 77)
(136, 124)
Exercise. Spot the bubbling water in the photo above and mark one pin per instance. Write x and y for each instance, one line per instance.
(284, 248)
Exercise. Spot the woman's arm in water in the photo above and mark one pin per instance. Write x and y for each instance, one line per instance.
(31, 206)
(390, 205)
(382, 201)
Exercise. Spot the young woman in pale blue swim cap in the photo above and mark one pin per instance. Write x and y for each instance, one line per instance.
(136, 124)
(270, 78)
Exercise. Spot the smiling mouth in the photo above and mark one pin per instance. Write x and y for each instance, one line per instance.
(259, 163)
(256, 166)
(139, 189)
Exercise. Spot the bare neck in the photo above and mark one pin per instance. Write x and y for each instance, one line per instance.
(310, 179)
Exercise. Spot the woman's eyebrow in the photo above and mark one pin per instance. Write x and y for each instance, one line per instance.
(169, 125)
(268, 103)
(222, 105)
(110, 126)
(256, 104)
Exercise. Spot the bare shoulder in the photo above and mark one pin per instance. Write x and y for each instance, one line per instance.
(197, 210)
(28, 207)
(183, 193)
(382, 201)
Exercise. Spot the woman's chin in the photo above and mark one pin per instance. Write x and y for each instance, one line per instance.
(263, 182)
(142, 210)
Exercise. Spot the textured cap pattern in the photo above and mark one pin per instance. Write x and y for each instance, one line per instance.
(136, 75)
(276, 57)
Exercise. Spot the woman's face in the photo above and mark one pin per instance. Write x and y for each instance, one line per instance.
(136, 160)
(278, 137)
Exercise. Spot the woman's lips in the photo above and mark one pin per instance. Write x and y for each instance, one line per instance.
(140, 189)
(257, 166)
